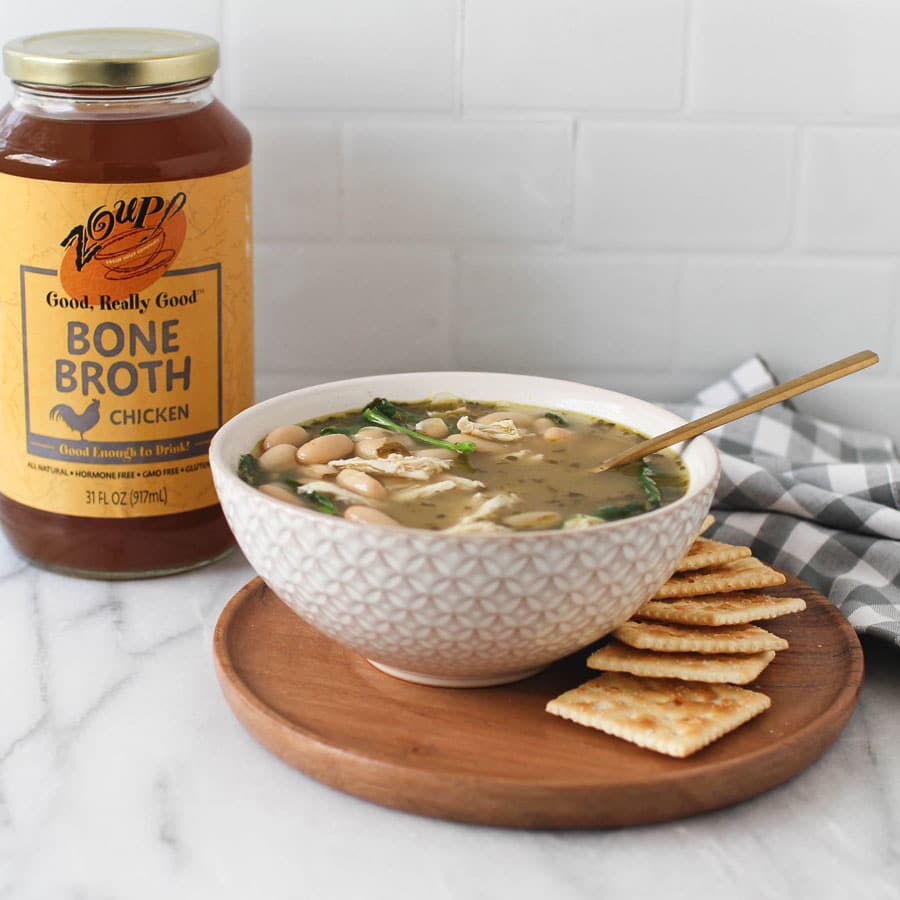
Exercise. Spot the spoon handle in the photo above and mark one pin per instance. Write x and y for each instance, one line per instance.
(745, 407)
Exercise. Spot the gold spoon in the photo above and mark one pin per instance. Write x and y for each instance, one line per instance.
(745, 407)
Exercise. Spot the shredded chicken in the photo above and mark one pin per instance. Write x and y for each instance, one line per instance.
(487, 509)
(534, 520)
(467, 484)
(476, 528)
(418, 468)
(421, 491)
(503, 431)
(330, 489)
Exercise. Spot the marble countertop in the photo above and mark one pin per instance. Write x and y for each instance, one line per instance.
(124, 775)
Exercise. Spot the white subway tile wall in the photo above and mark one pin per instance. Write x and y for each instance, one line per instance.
(461, 180)
(794, 312)
(634, 193)
(352, 310)
(571, 54)
(851, 190)
(342, 54)
(680, 187)
(799, 59)
(297, 179)
(553, 314)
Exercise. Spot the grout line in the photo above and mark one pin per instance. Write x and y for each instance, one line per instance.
(554, 250)
(226, 84)
(688, 49)
(659, 376)
(799, 174)
(891, 353)
(341, 179)
(568, 217)
(675, 355)
(460, 60)
(541, 116)
(451, 309)
(221, 14)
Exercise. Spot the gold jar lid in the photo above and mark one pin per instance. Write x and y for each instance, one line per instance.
(111, 57)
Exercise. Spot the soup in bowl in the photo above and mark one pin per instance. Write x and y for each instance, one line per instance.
(485, 569)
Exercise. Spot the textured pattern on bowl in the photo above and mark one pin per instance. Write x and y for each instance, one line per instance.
(454, 609)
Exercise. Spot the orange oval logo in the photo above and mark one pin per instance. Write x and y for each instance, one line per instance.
(123, 249)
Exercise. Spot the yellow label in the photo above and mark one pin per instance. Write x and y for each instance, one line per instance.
(126, 340)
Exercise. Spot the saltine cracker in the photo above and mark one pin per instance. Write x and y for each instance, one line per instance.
(698, 638)
(718, 668)
(669, 716)
(740, 575)
(736, 608)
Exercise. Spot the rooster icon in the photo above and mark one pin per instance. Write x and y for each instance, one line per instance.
(80, 422)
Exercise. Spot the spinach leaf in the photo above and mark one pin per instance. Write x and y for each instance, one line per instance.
(622, 511)
(321, 502)
(648, 483)
(248, 469)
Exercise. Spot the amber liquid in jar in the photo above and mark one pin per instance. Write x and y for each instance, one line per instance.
(103, 135)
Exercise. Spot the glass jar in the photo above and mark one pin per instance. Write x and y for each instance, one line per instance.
(126, 333)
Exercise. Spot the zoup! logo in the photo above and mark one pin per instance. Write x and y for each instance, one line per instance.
(123, 248)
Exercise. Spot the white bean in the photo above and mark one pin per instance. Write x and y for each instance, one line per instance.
(556, 434)
(368, 515)
(281, 492)
(286, 434)
(542, 423)
(324, 449)
(519, 418)
(372, 431)
(316, 472)
(280, 458)
(437, 453)
(361, 483)
(379, 447)
(434, 427)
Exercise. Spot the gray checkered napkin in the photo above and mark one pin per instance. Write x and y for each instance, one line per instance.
(815, 499)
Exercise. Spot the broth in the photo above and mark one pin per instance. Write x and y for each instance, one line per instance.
(529, 468)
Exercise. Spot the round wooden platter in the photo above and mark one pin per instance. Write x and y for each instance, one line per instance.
(493, 755)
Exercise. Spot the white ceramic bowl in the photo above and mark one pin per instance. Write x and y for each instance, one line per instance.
(458, 610)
